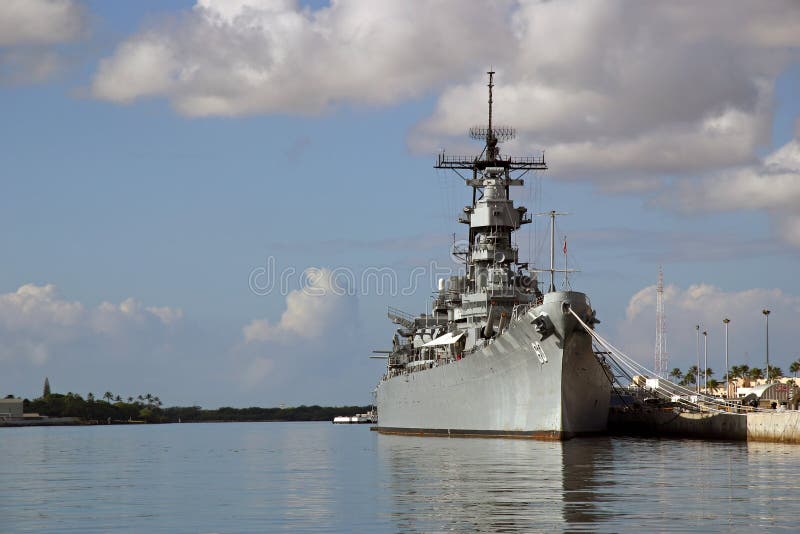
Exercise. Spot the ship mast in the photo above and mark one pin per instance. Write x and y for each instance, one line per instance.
(491, 255)
(491, 141)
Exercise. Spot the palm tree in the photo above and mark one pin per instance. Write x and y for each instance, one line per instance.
(775, 372)
(108, 396)
(677, 374)
(149, 398)
(745, 369)
(90, 397)
(756, 373)
(709, 372)
(117, 399)
(157, 401)
(794, 367)
(130, 400)
(689, 379)
(712, 384)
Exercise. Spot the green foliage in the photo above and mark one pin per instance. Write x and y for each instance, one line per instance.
(690, 378)
(189, 414)
(91, 409)
(148, 408)
(46, 389)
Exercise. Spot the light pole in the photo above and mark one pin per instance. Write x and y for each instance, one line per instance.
(697, 327)
(766, 316)
(705, 360)
(725, 321)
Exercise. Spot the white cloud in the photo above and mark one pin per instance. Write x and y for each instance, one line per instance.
(315, 329)
(626, 94)
(261, 56)
(26, 22)
(311, 312)
(707, 305)
(613, 87)
(631, 88)
(36, 319)
(773, 185)
(31, 31)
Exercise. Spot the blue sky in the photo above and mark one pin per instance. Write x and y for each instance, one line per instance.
(156, 153)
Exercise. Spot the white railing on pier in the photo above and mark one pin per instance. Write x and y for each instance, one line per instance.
(680, 394)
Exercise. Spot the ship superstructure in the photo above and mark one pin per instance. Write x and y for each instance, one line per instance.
(497, 355)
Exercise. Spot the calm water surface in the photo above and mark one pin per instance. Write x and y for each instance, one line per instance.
(268, 477)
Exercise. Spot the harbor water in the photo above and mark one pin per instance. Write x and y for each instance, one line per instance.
(312, 477)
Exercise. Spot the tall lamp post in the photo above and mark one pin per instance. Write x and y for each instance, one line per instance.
(697, 327)
(705, 360)
(725, 321)
(766, 316)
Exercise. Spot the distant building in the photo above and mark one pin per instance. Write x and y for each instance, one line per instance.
(776, 391)
(10, 409)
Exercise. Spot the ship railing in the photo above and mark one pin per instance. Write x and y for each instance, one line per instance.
(400, 317)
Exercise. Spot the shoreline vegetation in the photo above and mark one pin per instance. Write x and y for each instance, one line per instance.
(113, 409)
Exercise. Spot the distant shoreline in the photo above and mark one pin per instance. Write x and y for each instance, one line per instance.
(78, 422)
(71, 409)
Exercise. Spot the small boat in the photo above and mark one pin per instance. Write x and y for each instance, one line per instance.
(359, 418)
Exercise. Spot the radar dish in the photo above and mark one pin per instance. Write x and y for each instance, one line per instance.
(501, 133)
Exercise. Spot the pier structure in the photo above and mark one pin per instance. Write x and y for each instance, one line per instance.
(673, 410)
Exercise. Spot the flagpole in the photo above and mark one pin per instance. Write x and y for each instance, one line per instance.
(566, 269)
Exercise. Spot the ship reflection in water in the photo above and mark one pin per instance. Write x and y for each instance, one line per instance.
(592, 484)
(440, 484)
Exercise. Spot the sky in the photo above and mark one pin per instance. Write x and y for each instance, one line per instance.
(215, 201)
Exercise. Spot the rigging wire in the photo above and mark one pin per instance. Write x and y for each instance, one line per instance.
(683, 396)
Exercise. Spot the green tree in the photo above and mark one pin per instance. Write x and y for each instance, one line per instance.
(46, 389)
(775, 372)
(794, 367)
(90, 397)
(108, 396)
(735, 372)
(712, 384)
(676, 374)
(690, 378)
(755, 373)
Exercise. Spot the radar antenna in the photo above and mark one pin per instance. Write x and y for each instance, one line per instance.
(491, 135)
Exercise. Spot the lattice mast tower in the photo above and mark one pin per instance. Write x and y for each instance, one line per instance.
(661, 360)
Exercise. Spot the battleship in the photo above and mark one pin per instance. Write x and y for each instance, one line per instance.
(498, 355)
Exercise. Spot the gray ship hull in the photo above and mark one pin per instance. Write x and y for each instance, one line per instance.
(522, 384)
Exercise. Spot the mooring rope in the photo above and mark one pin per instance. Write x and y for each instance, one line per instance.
(682, 395)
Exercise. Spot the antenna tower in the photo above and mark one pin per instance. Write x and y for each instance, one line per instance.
(662, 361)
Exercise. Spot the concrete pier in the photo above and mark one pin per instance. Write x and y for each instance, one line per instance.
(777, 427)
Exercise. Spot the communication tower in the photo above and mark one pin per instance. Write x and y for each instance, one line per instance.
(661, 341)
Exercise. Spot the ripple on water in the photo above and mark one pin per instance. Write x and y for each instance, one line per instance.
(320, 477)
